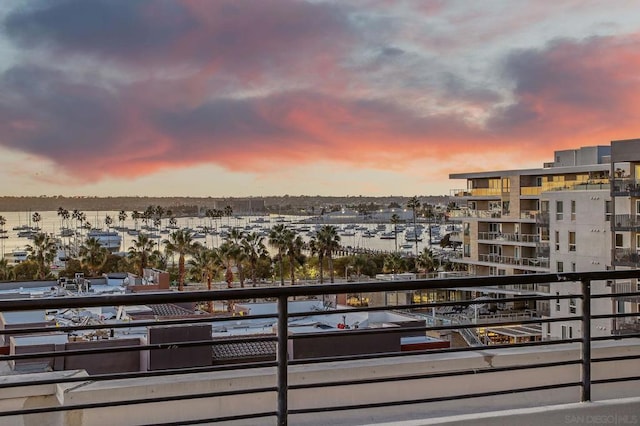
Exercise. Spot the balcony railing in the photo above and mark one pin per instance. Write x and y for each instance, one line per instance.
(476, 192)
(509, 237)
(270, 403)
(626, 257)
(626, 186)
(481, 214)
(626, 222)
(515, 261)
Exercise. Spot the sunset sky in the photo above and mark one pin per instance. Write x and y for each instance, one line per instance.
(273, 97)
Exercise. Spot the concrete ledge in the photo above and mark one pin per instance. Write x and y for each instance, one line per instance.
(412, 388)
(613, 412)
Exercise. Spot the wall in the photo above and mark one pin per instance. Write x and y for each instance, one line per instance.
(436, 413)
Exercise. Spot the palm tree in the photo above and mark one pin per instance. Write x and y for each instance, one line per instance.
(228, 253)
(36, 218)
(316, 249)
(42, 252)
(135, 215)
(205, 264)
(108, 220)
(6, 270)
(329, 241)
(140, 251)
(427, 261)
(93, 255)
(395, 219)
(295, 244)
(394, 263)
(3, 221)
(235, 237)
(122, 216)
(360, 262)
(254, 248)
(413, 204)
(278, 239)
(181, 242)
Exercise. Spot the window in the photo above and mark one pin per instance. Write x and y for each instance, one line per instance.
(559, 208)
(559, 267)
(573, 209)
(638, 242)
(607, 211)
(572, 306)
(619, 240)
(506, 185)
(557, 302)
(637, 207)
(572, 241)
(467, 250)
(573, 266)
(556, 240)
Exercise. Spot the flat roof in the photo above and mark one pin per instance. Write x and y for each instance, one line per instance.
(517, 331)
(533, 172)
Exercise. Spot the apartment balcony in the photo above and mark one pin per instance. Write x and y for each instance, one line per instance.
(537, 262)
(480, 214)
(626, 257)
(477, 192)
(626, 222)
(529, 215)
(512, 238)
(339, 380)
(625, 187)
(533, 191)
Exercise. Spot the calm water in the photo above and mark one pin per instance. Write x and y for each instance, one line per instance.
(51, 223)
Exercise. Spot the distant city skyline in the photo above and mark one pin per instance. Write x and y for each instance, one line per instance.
(238, 98)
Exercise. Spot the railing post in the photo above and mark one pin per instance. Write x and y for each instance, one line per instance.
(586, 340)
(283, 314)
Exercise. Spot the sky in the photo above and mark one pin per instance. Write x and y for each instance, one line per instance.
(236, 98)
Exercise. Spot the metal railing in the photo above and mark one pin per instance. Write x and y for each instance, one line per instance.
(283, 360)
(509, 237)
(537, 262)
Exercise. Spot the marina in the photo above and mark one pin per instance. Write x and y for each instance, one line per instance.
(356, 237)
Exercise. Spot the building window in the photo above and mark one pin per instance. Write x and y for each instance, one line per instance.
(557, 302)
(559, 267)
(637, 207)
(559, 208)
(619, 241)
(506, 185)
(556, 240)
(573, 266)
(638, 243)
(573, 209)
(607, 210)
(572, 241)
(467, 250)
(572, 305)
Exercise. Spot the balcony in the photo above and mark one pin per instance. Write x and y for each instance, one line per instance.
(625, 187)
(626, 257)
(537, 262)
(476, 192)
(503, 382)
(509, 237)
(626, 222)
(480, 214)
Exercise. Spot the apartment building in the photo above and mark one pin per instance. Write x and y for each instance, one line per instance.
(580, 212)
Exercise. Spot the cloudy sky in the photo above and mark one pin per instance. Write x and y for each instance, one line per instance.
(272, 97)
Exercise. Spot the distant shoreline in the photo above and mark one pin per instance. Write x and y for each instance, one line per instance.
(189, 205)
